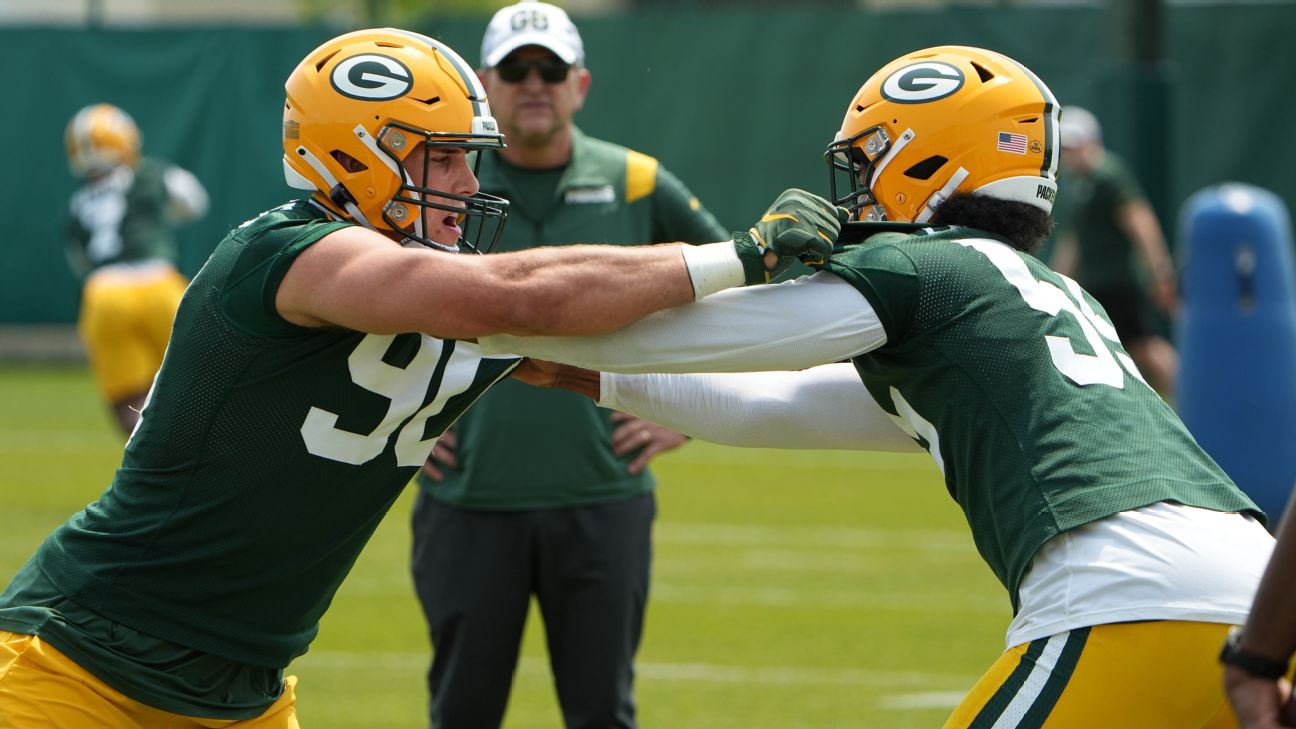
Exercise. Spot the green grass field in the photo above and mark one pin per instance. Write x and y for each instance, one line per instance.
(790, 589)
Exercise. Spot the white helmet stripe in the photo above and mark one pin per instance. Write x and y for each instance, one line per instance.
(899, 144)
(332, 182)
(318, 166)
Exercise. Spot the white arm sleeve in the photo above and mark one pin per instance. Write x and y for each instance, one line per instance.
(789, 326)
(824, 407)
(188, 196)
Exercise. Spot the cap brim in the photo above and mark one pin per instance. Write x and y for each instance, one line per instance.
(544, 40)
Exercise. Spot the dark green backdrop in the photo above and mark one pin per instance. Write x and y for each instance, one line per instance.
(738, 104)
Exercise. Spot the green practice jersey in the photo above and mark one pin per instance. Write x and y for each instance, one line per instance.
(1014, 380)
(122, 217)
(522, 447)
(265, 458)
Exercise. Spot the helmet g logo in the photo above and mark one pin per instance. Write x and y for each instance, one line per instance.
(371, 77)
(922, 82)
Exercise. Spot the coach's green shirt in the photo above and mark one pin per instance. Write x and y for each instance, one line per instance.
(1012, 377)
(521, 447)
(123, 217)
(1106, 256)
(265, 457)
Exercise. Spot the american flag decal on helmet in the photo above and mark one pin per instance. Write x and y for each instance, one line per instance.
(1009, 142)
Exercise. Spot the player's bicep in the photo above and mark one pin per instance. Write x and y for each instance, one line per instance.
(357, 279)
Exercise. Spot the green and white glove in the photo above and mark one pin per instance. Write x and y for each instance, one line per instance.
(798, 225)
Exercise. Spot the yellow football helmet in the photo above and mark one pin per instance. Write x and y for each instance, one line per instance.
(942, 120)
(358, 105)
(99, 138)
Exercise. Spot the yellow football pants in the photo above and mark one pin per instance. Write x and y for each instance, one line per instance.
(1148, 675)
(125, 324)
(40, 688)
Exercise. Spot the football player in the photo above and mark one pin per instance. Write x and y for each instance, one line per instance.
(121, 239)
(1125, 551)
(314, 360)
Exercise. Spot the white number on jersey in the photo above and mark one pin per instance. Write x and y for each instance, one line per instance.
(100, 208)
(917, 427)
(1099, 368)
(405, 387)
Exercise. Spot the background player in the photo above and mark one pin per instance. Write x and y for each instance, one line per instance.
(121, 239)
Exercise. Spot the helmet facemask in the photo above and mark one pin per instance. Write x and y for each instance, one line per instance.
(858, 157)
(480, 216)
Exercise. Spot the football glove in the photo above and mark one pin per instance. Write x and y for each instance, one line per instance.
(798, 225)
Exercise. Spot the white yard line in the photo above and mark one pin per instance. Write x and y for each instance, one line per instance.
(649, 671)
(862, 599)
(922, 700)
(36, 442)
(753, 535)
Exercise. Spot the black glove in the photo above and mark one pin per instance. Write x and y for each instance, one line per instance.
(798, 225)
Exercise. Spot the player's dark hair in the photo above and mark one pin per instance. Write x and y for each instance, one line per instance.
(1022, 224)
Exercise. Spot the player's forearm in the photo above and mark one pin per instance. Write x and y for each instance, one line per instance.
(1141, 225)
(1269, 629)
(1064, 255)
(583, 290)
(580, 290)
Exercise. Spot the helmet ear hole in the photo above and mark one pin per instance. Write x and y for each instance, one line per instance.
(928, 167)
(349, 163)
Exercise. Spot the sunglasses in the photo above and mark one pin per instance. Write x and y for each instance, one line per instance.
(515, 70)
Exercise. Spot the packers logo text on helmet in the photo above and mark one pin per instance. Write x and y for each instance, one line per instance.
(99, 138)
(360, 104)
(940, 121)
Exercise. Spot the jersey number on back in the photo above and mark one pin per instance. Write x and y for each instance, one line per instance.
(1099, 368)
(405, 388)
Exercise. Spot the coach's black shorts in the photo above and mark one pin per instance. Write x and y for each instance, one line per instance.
(1130, 312)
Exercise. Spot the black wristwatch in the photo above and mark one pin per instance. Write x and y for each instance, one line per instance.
(1256, 665)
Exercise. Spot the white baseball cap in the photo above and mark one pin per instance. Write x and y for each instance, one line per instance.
(1078, 127)
(531, 23)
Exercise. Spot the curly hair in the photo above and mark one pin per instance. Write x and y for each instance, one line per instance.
(1023, 224)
